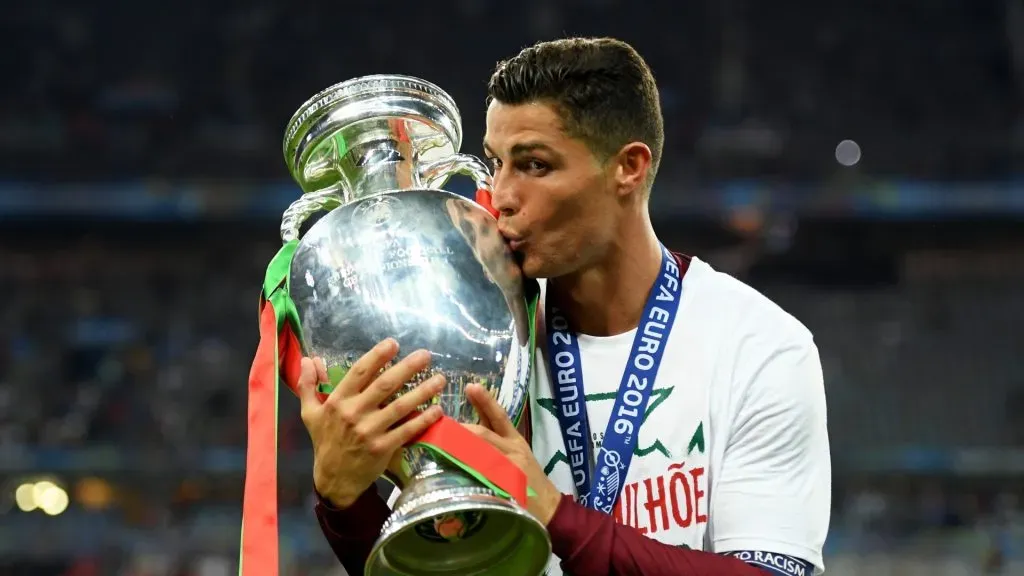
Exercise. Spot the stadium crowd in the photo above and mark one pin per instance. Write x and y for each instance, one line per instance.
(748, 89)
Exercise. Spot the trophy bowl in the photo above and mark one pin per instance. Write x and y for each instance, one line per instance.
(396, 256)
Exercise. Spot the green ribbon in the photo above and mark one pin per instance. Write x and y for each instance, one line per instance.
(277, 289)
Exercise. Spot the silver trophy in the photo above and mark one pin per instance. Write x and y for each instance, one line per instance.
(396, 256)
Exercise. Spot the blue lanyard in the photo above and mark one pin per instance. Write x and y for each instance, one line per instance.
(620, 437)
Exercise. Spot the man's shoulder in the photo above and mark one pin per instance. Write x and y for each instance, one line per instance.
(737, 310)
(767, 358)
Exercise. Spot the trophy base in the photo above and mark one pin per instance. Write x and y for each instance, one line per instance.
(442, 524)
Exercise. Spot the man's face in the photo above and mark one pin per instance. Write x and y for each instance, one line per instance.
(556, 201)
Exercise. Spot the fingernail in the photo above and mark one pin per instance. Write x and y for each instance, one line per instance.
(387, 344)
(439, 382)
(420, 356)
(435, 412)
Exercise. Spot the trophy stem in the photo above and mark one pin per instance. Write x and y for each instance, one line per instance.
(445, 522)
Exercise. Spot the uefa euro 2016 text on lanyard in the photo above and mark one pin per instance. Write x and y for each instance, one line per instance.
(634, 391)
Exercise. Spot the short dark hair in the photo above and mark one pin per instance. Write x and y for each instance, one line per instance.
(601, 87)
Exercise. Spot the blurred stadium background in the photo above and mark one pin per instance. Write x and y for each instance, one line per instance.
(860, 162)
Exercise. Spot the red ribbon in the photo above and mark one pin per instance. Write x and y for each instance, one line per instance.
(477, 454)
(483, 198)
(260, 544)
(259, 555)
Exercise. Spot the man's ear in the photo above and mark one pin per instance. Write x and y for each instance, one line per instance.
(631, 165)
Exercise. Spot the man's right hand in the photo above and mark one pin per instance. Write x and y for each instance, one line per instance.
(354, 430)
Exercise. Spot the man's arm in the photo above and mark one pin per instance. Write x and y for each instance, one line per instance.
(352, 532)
(773, 490)
(591, 542)
(769, 511)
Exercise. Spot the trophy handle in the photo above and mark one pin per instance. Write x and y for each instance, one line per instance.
(435, 174)
(307, 205)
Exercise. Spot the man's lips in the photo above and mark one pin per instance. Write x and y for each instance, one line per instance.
(513, 239)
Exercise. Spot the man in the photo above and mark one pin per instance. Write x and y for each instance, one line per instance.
(677, 418)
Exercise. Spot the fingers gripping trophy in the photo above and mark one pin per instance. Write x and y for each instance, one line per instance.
(392, 255)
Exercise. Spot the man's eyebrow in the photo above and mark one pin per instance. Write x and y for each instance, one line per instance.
(522, 148)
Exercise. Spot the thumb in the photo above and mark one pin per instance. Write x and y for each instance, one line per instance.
(491, 413)
(306, 386)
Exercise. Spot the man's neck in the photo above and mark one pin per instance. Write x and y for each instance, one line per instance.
(608, 298)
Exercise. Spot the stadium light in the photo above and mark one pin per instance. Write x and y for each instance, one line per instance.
(50, 498)
(848, 153)
(44, 495)
(24, 499)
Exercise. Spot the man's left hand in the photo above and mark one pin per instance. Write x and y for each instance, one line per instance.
(496, 428)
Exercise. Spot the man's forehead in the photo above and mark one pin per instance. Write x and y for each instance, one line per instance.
(533, 110)
(523, 128)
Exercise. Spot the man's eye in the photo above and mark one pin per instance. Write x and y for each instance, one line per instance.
(535, 167)
(495, 162)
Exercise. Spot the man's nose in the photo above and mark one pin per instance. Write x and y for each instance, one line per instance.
(504, 198)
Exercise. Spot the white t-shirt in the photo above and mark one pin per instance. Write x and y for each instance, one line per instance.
(733, 453)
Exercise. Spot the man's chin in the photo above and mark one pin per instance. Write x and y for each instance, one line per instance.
(532, 267)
